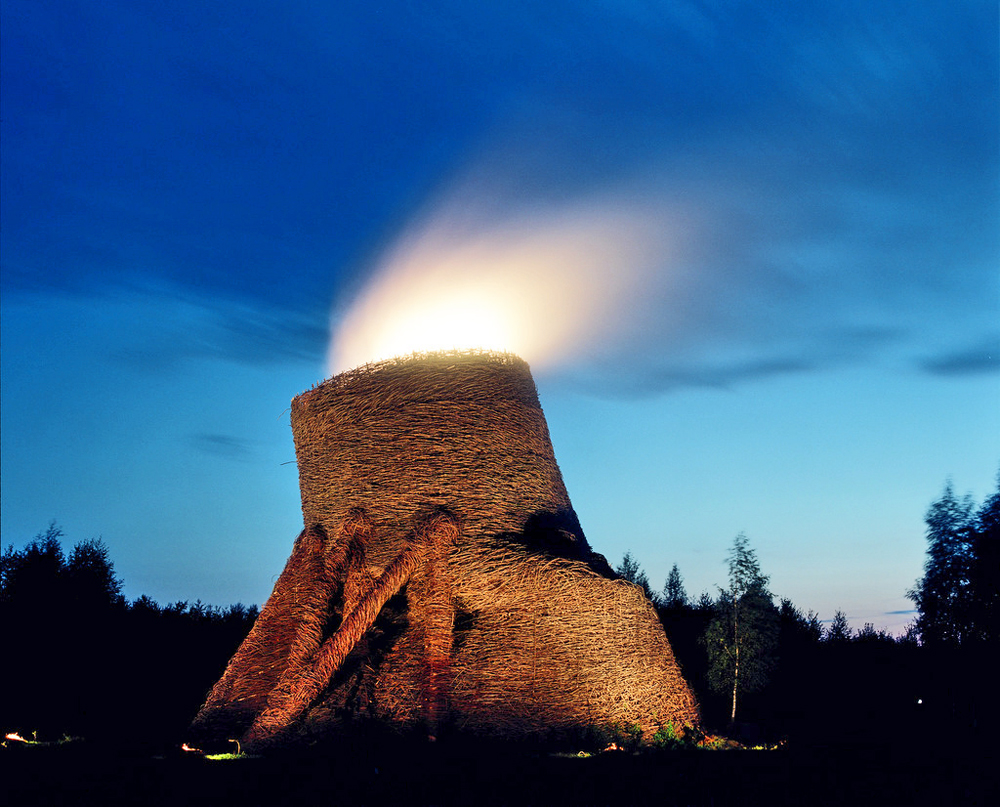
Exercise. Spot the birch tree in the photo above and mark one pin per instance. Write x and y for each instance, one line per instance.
(743, 633)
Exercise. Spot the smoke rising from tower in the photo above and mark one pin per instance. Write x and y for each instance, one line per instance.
(547, 282)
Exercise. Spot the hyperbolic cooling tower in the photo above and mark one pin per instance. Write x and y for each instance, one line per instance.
(442, 578)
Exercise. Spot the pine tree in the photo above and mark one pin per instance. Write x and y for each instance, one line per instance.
(629, 569)
(674, 595)
(839, 629)
(797, 627)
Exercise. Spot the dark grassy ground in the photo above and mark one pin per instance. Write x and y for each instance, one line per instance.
(466, 772)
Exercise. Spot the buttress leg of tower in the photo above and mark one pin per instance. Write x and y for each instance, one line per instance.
(302, 662)
(289, 627)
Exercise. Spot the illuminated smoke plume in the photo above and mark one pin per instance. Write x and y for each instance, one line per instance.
(548, 283)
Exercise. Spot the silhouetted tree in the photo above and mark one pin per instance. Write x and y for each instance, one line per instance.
(629, 569)
(685, 623)
(910, 635)
(942, 595)
(839, 629)
(145, 604)
(241, 614)
(41, 577)
(869, 633)
(743, 633)
(90, 577)
(79, 659)
(32, 577)
(798, 627)
(984, 572)
(674, 595)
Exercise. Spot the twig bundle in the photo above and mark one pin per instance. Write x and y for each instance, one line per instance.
(507, 624)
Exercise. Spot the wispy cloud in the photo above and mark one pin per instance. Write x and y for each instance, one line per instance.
(980, 358)
(226, 446)
(167, 328)
(831, 170)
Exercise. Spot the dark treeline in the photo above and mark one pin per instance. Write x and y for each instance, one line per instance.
(818, 683)
(81, 660)
(826, 683)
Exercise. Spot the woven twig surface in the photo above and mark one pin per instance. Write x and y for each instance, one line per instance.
(510, 626)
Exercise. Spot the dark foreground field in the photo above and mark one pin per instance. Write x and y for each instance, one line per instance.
(396, 772)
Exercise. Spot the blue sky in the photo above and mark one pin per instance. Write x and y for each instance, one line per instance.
(194, 195)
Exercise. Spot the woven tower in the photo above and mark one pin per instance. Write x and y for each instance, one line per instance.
(442, 576)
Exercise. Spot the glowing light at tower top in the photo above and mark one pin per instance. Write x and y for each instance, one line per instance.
(545, 284)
